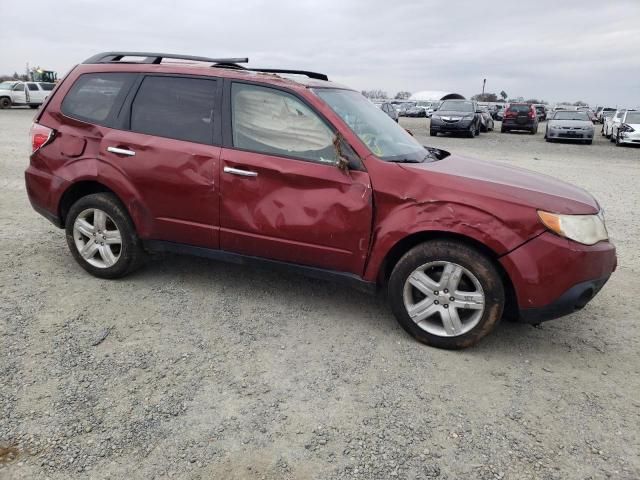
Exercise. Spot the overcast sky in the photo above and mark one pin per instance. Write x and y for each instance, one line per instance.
(573, 50)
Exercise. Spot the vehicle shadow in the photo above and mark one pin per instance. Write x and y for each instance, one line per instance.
(339, 303)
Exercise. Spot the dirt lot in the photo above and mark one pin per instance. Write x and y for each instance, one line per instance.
(218, 371)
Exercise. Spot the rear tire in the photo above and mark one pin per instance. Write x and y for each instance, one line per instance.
(433, 133)
(475, 285)
(5, 102)
(33, 107)
(84, 229)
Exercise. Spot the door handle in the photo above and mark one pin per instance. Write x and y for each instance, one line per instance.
(121, 151)
(242, 173)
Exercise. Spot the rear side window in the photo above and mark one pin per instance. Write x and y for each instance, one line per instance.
(95, 97)
(32, 86)
(175, 107)
(47, 86)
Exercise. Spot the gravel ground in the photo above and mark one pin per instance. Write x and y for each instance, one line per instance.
(196, 369)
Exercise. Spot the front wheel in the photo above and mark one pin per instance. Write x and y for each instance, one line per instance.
(5, 102)
(102, 237)
(433, 133)
(446, 294)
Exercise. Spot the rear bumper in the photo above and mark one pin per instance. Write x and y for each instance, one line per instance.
(513, 124)
(40, 190)
(553, 276)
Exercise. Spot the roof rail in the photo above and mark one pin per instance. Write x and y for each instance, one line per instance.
(156, 58)
(315, 75)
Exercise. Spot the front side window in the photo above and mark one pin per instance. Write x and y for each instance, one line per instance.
(18, 87)
(175, 107)
(378, 131)
(277, 123)
(94, 95)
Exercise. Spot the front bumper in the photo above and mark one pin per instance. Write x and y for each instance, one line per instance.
(561, 134)
(553, 276)
(439, 125)
(632, 138)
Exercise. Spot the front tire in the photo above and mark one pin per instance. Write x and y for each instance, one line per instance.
(433, 133)
(102, 237)
(5, 102)
(446, 294)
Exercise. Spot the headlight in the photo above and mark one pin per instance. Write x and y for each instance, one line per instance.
(586, 229)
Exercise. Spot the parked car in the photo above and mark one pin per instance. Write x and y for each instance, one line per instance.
(403, 108)
(520, 116)
(571, 125)
(389, 109)
(611, 122)
(456, 116)
(213, 160)
(486, 121)
(629, 130)
(541, 112)
(416, 111)
(602, 114)
(498, 113)
(18, 93)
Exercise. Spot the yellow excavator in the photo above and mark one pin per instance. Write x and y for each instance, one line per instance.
(41, 75)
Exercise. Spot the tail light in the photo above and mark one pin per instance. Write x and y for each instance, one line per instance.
(532, 114)
(40, 136)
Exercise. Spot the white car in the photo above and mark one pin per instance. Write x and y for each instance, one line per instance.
(32, 94)
(607, 128)
(628, 131)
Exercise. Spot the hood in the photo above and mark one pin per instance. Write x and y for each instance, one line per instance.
(506, 183)
(452, 113)
(571, 123)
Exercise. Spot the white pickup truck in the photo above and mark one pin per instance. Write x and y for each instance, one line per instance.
(24, 93)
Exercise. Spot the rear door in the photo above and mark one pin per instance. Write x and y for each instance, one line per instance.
(161, 133)
(283, 195)
(36, 94)
(19, 93)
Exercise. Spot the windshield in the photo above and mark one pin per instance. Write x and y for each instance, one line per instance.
(377, 130)
(571, 116)
(6, 85)
(632, 117)
(456, 106)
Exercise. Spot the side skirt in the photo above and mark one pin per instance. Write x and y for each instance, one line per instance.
(348, 279)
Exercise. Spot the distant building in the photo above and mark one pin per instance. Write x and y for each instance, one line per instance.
(435, 96)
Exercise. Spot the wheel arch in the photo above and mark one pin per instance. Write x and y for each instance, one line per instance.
(407, 243)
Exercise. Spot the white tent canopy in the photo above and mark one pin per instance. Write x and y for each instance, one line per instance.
(435, 96)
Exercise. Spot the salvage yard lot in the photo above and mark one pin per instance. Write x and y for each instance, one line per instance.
(198, 369)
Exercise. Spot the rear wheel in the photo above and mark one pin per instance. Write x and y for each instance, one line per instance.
(503, 130)
(5, 102)
(33, 106)
(102, 237)
(446, 294)
(433, 133)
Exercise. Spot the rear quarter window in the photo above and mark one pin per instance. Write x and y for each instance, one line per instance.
(95, 97)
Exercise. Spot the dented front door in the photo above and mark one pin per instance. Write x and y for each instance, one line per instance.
(294, 210)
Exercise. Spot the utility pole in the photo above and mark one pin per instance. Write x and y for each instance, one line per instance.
(484, 82)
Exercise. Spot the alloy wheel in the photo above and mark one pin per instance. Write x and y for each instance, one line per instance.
(444, 298)
(97, 238)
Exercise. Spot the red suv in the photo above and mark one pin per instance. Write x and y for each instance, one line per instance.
(520, 116)
(132, 154)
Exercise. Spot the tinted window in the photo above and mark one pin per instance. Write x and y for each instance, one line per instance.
(47, 86)
(32, 86)
(175, 107)
(94, 96)
(274, 122)
(18, 87)
(520, 108)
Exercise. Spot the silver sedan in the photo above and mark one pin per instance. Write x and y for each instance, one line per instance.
(569, 125)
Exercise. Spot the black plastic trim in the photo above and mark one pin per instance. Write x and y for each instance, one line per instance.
(52, 217)
(230, 257)
(570, 301)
